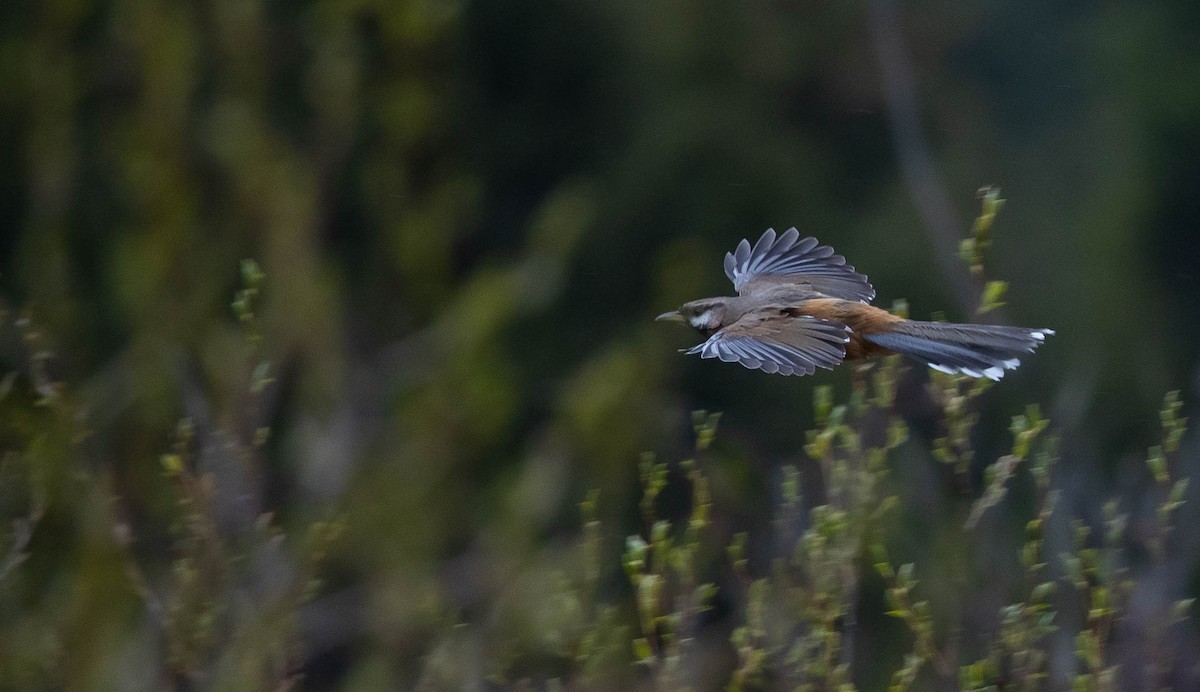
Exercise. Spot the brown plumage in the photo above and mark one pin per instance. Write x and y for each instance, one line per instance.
(862, 319)
(800, 306)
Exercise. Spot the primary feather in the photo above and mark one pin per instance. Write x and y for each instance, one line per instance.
(794, 346)
(788, 259)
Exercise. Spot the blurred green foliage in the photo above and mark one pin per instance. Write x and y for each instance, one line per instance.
(464, 216)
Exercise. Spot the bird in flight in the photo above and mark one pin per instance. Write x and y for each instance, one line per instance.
(800, 307)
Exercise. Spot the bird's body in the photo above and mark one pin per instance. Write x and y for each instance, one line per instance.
(800, 306)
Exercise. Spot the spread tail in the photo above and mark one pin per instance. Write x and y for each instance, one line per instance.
(977, 350)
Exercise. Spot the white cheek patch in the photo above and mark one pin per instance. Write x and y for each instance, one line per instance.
(702, 320)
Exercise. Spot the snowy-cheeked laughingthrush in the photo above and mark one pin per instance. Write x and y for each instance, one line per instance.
(800, 306)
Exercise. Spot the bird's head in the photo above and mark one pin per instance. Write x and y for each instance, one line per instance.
(705, 316)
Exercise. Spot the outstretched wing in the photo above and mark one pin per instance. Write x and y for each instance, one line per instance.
(787, 259)
(774, 343)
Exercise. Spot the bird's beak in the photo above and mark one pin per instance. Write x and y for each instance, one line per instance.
(672, 316)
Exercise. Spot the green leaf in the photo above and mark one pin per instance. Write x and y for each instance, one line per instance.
(1042, 592)
(1157, 463)
(966, 250)
(1177, 491)
(822, 403)
(993, 296)
(171, 463)
(641, 650)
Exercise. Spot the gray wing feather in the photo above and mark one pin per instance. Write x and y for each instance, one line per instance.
(806, 344)
(788, 259)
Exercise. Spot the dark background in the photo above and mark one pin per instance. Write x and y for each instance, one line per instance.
(468, 214)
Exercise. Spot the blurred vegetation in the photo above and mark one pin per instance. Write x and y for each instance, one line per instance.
(357, 462)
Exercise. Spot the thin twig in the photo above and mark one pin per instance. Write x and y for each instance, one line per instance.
(925, 185)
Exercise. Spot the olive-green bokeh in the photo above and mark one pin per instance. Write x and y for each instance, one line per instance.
(468, 214)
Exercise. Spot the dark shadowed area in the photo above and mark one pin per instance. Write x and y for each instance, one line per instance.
(328, 357)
